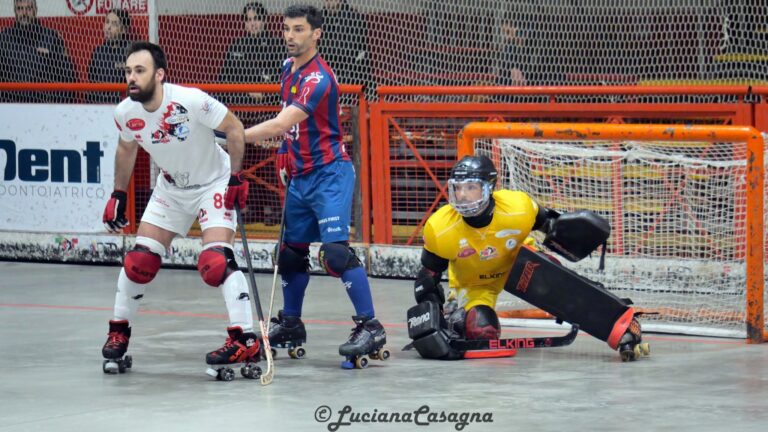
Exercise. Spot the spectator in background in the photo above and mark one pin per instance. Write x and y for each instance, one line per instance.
(31, 52)
(253, 58)
(344, 44)
(108, 59)
(510, 71)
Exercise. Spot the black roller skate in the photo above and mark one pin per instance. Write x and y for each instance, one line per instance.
(114, 349)
(240, 349)
(631, 346)
(367, 339)
(287, 332)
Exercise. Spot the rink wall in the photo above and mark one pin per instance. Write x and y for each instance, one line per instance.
(379, 260)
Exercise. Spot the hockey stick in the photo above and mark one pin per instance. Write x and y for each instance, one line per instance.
(514, 343)
(266, 377)
(277, 250)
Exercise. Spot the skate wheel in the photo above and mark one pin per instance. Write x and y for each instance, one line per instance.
(212, 373)
(250, 371)
(297, 353)
(108, 367)
(225, 374)
(630, 355)
(645, 349)
(346, 364)
(121, 366)
(383, 354)
(128, 361)
(361, 362)
(274, 353)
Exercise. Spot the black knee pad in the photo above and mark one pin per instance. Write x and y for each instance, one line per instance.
(482, 323)
(293, 259)
(336, 258)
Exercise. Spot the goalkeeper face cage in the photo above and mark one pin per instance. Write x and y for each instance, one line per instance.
(469, 197)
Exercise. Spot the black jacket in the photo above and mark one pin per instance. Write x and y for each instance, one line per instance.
(34, 53)
(344, 45)
(252, 60)
(108, 66)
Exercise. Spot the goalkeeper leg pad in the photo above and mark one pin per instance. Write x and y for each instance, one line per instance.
(569, 297)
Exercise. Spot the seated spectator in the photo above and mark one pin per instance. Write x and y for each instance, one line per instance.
(253, 59)
(31, 52)
(108, 59)
(344, 44)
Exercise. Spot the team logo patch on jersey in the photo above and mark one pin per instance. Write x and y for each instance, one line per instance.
(314, 77)
(488, 253)
(172, 124)
(202, 217)
(135, 124)
(507, 233)
(466, 252)
(510, 244)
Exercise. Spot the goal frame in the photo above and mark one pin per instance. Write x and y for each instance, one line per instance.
(754, 258)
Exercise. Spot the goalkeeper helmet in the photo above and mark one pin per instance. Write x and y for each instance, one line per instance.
(471, 185)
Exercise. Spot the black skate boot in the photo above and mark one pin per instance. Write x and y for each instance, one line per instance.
(367, 338)
(114, 349)
(287, 332)
(240, 349)
(631, 346)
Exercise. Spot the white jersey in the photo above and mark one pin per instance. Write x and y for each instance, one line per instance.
(178, 135)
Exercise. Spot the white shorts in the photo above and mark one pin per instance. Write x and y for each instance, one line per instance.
(175, 209)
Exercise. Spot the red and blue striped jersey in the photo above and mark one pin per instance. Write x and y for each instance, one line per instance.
(317, 140)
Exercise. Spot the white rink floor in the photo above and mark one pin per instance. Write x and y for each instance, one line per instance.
(53, 321)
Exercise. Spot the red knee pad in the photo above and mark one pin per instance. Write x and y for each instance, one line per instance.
(215, 264)
(482, 323)
(141, 264)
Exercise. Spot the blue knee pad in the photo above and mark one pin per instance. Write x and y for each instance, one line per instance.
(336, 258)
(293, 258)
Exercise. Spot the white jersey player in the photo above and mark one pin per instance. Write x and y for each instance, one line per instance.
(198, 179)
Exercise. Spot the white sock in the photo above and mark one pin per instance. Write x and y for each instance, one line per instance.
(127, 298)
(129, 293)
(237, 298)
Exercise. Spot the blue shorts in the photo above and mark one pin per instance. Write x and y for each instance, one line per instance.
(318, 205)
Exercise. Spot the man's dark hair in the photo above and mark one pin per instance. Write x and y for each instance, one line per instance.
(123, 16)
(157, 53)
(257, 8)
(312, 14)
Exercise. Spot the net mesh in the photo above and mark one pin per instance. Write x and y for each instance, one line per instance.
(677, 214)
(429, 42)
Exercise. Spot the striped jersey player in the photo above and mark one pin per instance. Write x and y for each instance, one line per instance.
(320, 179)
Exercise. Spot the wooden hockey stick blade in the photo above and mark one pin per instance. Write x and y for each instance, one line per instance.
(266, 377)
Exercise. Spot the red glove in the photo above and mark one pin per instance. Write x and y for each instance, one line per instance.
(283, 166)
(237, 191)
(114, 213)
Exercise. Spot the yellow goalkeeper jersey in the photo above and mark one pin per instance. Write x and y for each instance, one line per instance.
(480, 258)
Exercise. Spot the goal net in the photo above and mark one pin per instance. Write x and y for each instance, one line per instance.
(678, 200)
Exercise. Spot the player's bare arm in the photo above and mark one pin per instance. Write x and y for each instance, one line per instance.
(233, 129)
(279, 125)
(125, 158)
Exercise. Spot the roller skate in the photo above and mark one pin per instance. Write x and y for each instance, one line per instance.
(287, 332)
(240, 349)
(367, 340)
(115, 360)
(631, 346)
